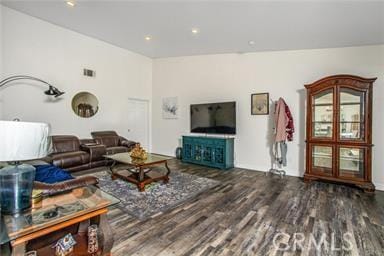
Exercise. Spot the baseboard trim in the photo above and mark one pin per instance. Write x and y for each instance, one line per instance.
(163, 155)
(266, 169)
(379, 186)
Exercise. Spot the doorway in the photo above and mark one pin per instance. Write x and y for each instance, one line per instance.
(138, 121)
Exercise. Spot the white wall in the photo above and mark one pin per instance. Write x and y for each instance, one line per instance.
(226, 77)
(34, 47)
(57, 55)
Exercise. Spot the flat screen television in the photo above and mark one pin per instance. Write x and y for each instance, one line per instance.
(214, 118)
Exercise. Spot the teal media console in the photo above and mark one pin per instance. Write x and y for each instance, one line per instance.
(210, 151)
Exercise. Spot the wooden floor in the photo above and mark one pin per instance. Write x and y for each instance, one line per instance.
(247, 211)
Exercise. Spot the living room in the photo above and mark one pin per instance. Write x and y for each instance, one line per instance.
(142, 54)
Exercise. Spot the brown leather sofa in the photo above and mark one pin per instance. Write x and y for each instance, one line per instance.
(68, 153)
(113, 142)
(60, 187)
(72, 154)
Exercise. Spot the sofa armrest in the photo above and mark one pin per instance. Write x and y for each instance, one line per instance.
(51, 189)
(96, 151)
(126, 143)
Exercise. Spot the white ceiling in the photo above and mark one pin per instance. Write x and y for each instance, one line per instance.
(225, 27)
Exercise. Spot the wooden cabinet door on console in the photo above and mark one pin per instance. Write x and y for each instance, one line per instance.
(339, 130)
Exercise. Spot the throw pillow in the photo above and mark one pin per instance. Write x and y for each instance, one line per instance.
(51, 174)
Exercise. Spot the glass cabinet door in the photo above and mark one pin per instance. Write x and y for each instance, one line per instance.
(322, 114)
(197, 150)
(351, 162)
(207, 154)
(351, 115)
(219, 155)
(187, 151)
(322, 159)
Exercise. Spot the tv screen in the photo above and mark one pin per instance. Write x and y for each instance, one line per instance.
(216, 118)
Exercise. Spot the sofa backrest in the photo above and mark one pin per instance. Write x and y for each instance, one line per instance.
(65, 143)
(107, 138)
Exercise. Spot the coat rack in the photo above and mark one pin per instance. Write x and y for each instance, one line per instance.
(275, 165)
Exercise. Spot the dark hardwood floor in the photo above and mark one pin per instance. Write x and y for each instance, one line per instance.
(248, 211)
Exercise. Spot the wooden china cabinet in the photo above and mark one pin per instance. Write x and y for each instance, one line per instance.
(339, 130)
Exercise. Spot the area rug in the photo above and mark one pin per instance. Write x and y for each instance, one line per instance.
(157, 197)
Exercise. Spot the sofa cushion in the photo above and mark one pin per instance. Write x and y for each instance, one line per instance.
(48, 173)
(128, 143)
(65, 143)
(69, 159)
(108, 138)
(108, 141)
(115, 150)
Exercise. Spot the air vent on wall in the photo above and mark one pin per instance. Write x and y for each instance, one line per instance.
(89, 72)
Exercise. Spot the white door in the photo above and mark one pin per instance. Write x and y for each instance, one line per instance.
(138, 122)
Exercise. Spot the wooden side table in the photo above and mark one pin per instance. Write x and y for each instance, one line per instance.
(59, 215)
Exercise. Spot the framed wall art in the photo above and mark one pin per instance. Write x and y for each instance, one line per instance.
(260, 104)
(170, 108)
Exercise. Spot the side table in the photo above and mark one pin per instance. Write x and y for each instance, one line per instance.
(40, 228)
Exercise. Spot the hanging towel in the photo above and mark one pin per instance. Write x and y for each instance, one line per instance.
(284, 128)
(280, 153)
(281, 121)
(290, 129)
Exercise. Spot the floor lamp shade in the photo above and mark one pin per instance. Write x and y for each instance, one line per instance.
(23, 141)
(20, 141)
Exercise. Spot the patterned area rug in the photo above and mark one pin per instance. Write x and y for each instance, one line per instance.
(158, 197)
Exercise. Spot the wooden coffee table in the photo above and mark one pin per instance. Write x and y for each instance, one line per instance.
(138, 171)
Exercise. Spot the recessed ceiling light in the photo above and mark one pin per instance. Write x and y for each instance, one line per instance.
(147, 38)
(251, 42)
(195, 31)
(71, 3)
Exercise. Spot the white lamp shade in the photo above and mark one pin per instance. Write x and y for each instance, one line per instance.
(23, 140)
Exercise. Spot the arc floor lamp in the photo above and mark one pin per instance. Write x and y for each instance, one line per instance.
(52, 90)
(21, 141)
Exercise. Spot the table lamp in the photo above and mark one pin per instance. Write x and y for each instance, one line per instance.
(20, 141)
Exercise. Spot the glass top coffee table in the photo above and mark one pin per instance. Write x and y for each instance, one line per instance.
(58, 212)
(138, 171)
